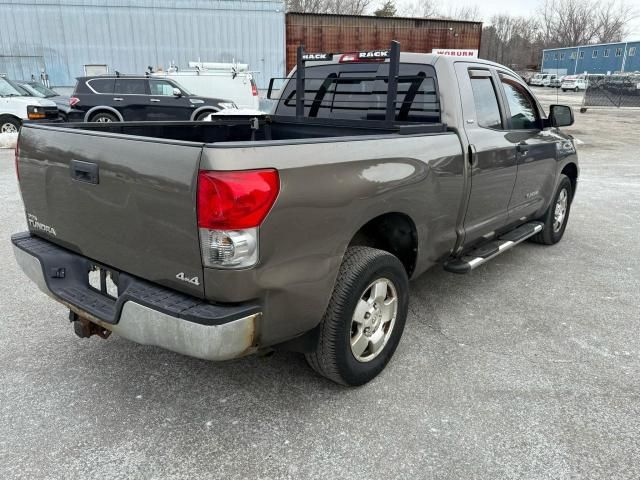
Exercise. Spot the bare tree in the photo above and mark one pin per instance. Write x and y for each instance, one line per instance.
(344, 7)
(613, 19)
(420, 8)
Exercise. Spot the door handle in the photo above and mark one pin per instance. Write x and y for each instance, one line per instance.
(84, 171)
(154, 100)
(117, 99)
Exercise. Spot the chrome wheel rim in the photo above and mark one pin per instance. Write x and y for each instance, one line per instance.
(373, 320)
(8, 128)
(103, 120)
(560, 212)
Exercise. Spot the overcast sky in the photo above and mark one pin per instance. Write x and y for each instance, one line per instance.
(523, 7)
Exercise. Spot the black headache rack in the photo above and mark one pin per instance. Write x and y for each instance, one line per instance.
(385, 118)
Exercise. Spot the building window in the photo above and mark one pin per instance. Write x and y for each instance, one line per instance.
(606, 52)
(618, 52)
(632, 52)
(594, 54)
(562, 56)
(582, 54)
(555, 56)
(573, 55)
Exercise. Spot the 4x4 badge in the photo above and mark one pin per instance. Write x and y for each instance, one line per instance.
(184, 278)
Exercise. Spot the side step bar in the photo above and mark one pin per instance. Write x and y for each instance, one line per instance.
(487, 251)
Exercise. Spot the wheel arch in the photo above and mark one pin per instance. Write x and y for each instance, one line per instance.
(393, 232)
(200, 110)
(93, 110)
(571, 171)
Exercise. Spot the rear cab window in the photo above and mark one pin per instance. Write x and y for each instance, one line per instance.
(358, 91)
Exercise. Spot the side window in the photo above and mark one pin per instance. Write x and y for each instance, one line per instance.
(130, 86)
(486, 102)
(101, 85)
(161, 87)
(524, 114)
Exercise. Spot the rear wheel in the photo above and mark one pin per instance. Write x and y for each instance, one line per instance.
(104, 117)
(9, 125)
(365, 318)
(557, 215)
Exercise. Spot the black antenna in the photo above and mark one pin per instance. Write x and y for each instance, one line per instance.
(300, 82)
(392, 89)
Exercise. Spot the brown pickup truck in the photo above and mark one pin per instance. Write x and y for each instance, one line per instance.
(299, 229)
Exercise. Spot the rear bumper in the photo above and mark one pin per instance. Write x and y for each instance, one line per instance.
(143, 312)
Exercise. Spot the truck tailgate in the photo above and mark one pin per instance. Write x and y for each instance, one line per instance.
(128, 203)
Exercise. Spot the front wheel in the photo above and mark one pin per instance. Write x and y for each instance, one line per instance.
(9, 125)
(200, 117)
(557, 215)
(576, 89)
(365, 318)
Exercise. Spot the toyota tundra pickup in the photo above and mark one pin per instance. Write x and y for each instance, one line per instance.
(300, 229)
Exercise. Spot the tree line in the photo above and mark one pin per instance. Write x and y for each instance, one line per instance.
(511, 40)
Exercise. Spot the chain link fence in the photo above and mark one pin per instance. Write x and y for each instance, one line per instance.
(614, 91)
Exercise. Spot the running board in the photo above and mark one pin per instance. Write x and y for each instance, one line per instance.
(487, 251)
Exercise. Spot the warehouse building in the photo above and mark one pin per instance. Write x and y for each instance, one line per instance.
(65, 38)
(349, 33)
(604, 58)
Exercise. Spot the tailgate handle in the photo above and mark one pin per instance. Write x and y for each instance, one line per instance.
(84, 171)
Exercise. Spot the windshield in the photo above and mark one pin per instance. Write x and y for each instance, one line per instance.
(39, 90)
(11, 89)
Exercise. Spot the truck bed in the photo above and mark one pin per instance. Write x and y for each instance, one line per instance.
(239, 129)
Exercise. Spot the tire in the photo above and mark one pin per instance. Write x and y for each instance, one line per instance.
(9, 125)
(576, 89)
(564, 89)
(363, 272)
(104, 117)
(552, 232)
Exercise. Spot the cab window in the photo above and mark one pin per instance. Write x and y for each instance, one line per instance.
(130, 86)
(161, 87)
(486, 102)
(522, 107)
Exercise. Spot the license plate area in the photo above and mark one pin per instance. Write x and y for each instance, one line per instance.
(103, 281)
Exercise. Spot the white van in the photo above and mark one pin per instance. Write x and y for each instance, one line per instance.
(218, 80)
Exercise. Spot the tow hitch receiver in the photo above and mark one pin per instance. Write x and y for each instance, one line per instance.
(85, 328)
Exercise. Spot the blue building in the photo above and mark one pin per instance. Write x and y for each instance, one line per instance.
(603, 58)
(66, 38)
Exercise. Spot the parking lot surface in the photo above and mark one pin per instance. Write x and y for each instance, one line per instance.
(529, 367)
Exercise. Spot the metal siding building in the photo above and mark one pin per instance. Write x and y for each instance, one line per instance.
(348, 33)
(61, 36)
(603, 58)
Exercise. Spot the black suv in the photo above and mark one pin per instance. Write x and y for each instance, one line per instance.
(122, 98)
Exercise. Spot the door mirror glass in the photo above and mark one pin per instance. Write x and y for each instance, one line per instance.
(177, 92)
(560, 116)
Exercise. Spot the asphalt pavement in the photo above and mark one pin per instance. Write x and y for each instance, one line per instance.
(529, 367)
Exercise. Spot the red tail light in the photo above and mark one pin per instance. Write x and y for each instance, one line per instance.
(254, 88)
(73, 101)
(236, 200)
(17, 156)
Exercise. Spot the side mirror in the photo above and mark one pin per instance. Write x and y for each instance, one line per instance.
(560, 116)
(177, 92)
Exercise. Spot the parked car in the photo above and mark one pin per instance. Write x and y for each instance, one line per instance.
(223, 80)
(138, 98)
(555, 82)
(546, 81)
(538, 79)
(16, 106)
(36, 89)
(299, 230)
(575, 83)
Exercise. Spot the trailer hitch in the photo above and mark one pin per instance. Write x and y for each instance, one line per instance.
(85, 328)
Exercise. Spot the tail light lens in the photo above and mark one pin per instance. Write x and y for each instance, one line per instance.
(231, 207)
(73, 101)
(254, 88)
